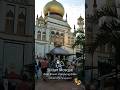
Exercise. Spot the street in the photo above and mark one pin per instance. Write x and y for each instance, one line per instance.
(56, 85)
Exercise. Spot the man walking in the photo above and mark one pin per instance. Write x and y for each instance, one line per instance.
(44, 66)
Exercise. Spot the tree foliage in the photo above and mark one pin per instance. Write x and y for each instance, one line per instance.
(80, 38)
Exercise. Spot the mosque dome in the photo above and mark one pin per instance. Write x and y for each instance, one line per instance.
(54, 7)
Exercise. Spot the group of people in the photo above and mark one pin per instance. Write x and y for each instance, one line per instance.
(57, 63)
(41, 67)
(62, 64)
(42, 64)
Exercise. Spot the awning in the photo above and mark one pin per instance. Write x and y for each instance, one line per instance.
(59, 51)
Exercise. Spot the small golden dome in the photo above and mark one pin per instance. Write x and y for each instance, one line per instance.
(54, 7)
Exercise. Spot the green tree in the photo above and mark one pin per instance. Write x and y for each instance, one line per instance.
(80, 38)
(80, 41)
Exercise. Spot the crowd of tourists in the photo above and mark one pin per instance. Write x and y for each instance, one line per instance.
(42, 64)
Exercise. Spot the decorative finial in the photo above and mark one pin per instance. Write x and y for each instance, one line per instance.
(74, 27)
(66, 16)
(37, 16)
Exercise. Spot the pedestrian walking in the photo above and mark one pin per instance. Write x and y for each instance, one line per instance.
(36, 70)
(44, 66)
(39, 64)
(39, 70)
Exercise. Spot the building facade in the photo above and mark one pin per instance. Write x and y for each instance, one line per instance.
(103, 53)
(16, 35)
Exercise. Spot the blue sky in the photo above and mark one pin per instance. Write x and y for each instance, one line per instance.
(73, 8)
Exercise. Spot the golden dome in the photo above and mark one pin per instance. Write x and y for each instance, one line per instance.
(54, 7)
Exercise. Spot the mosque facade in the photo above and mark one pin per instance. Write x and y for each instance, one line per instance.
(52, 30)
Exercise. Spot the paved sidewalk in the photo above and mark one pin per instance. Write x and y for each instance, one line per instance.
(56, 85)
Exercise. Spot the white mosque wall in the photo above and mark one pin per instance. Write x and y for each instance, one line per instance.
(42, 48)
(60, 25)
(39, 49)
(48, 35)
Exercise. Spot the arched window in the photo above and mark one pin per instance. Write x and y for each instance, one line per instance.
(52, 33)
(21, 24)
(57, 33)
(9, 22)
(44, 36)
(62, 34)
(62, 38)
(39, 35)
(52, 36)
(68, 40)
